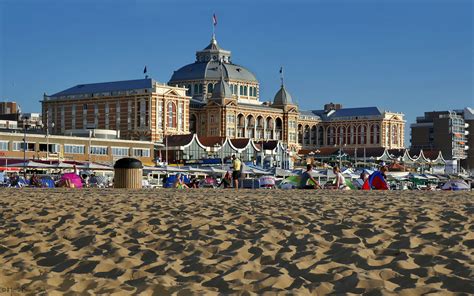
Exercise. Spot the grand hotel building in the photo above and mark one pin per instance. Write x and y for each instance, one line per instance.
(214, 97)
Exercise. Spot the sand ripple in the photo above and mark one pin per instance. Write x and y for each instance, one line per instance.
(222, 242)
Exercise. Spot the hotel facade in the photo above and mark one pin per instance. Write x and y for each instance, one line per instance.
(213, 97)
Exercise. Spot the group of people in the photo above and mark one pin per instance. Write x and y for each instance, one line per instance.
(376, 180)
(230, 180)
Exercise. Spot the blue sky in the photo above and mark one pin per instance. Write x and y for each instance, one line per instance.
(405, 56)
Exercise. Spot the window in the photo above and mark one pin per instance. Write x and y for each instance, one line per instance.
(107, 110)
(53, 148)
(84, 116)
(117, 115)
(120, 151)
(196, 89)
(18, 146)
(230, 132)
(210, 88)
(159, 114)
(98, 150)
(171, 114)
(245, 90)
(188, 91)
(96, 115)
(63, 123)
(142, 113)
(73, 149)
(3, 145)
(129, 116)
(73, 117)
(241, 90)
(141, 152)
(180, 116)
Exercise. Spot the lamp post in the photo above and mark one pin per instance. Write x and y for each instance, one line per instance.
(25, 127)
(47, 139)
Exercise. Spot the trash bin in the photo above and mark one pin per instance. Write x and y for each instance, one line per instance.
(128, 173)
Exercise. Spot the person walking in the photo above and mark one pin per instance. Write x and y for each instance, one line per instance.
(236, 170)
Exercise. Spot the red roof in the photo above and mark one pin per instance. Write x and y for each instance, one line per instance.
(240, 143)
(211, 141)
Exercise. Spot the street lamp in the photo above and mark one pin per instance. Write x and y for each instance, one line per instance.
(25, 127)
(47, 139)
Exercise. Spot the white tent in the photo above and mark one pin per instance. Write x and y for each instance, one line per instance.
(31, 164)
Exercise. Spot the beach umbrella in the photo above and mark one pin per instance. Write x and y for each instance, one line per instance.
(73, 179)
(455, 185)
(267, 181)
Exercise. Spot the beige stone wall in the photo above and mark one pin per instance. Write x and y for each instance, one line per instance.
(62, 140)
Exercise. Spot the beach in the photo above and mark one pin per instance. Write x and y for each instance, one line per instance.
(248, 242)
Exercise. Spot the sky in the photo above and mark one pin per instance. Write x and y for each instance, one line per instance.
(400, 55)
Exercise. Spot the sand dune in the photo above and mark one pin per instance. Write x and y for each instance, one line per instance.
(226, 242)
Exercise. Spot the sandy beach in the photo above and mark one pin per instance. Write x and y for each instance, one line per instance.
(159, 242)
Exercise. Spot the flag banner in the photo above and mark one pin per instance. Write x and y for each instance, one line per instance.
(281, 70)
(214, 19)
(144, 70)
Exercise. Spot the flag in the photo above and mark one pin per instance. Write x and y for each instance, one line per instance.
(214, 19)
(281, 70)
(144, 70)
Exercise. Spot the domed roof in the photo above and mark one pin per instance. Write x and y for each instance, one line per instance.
(222, 90)
(207, 63)
(282, 97)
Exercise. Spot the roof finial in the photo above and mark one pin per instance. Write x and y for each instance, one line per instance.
(281, 75)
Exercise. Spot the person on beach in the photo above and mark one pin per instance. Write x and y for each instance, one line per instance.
(340, 180)
(306, 176)
(179, 182)
(35, 181)
(226, 181)
(236, 170)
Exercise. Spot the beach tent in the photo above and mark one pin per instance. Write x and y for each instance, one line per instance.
(31, 164)
(47, 182)
(375, 181)
(267, 182)
(455, 185)
(72, 179)
(293, 182)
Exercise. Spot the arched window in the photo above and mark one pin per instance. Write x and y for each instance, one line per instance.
(196, 89)
(341, 132)
(278, 128)
(314, 135)
(210, 88)
(352, 135)
(245, 90)
(200, 88)
(320, 136)
(331, 135)
(300, 134)
(394, 134)
(171, 115)
(241, 90)
(375, 134)
(361, 135)
(192, 123)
